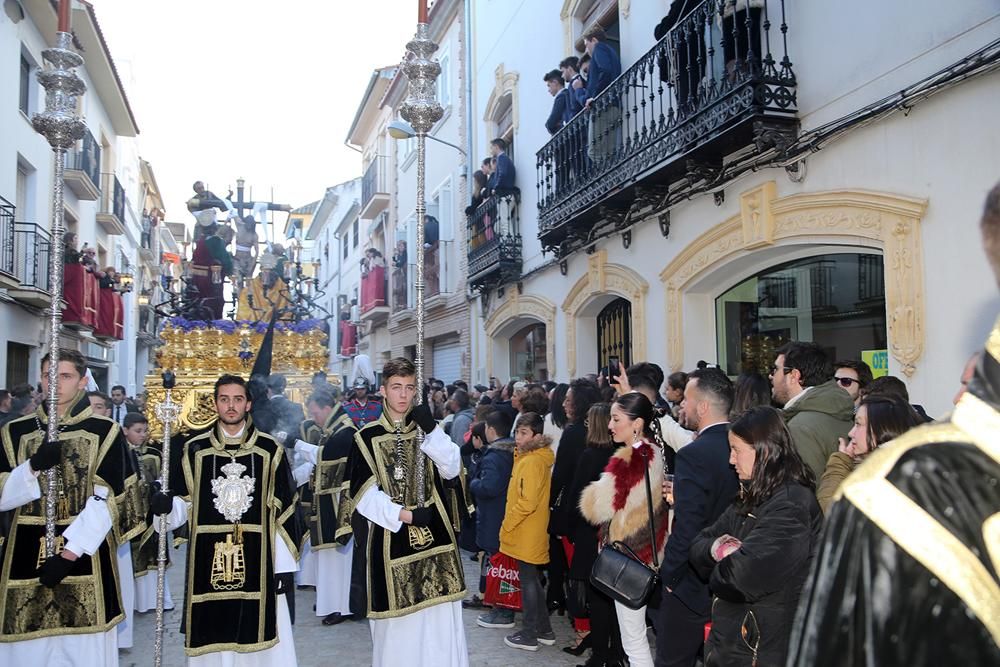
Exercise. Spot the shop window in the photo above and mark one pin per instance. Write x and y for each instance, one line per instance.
(528, 359)
(837, 301)
(614, 333)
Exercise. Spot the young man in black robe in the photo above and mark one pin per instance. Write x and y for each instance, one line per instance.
(235, 487)
(328, 514)
(55, 609)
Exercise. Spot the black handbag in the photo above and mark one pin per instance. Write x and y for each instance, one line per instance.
(621, 575)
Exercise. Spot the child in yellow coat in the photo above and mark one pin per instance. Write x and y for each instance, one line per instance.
(524, 533)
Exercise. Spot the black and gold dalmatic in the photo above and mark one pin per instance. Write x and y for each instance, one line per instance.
(328, 515)
(907, 572)
(93, 453)
(144, 547)
(242, 498)
(415, 567)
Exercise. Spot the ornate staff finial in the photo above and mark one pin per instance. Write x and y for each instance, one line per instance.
(167, 412)
(421, 110)
(62, 128)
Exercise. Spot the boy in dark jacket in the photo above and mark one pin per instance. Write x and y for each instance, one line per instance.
(489, 487)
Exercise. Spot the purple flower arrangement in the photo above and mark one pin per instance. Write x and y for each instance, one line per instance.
(231, 326)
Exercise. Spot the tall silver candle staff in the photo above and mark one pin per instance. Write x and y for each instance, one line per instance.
(421, 110)
(62, 128)
(167, 412)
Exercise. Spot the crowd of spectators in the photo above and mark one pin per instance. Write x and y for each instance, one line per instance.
(744, 472)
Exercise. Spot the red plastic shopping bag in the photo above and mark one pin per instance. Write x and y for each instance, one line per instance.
(503, 583)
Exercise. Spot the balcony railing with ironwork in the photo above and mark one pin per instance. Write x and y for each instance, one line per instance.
(83, 168)
(374, 190)
(494, 241)
(31, 255)
(7, 211)
(111, 215)
(718, 81)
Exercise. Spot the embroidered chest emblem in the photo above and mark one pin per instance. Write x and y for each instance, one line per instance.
(232, 492)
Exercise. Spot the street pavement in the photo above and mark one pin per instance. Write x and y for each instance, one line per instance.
(347, 644)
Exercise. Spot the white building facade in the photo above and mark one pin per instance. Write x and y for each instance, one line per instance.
(102, 184)
(332, 244)
(447, 337)
(678, 235)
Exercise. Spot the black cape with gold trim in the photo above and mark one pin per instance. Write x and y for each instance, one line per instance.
(401, 578)
(230, 602)
(329, 515)
(907, 572)
(145, 547)
(94, 452)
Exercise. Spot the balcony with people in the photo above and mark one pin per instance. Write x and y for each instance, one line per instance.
(493, 237)
(149, 239)
(111, 214)
(494, 241)
(81, 285)
(347, 335)
(717, 86)
(83, 169)
(374, 307)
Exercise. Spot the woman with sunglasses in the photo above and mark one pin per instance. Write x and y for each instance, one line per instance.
(757, 554)
(879, 419)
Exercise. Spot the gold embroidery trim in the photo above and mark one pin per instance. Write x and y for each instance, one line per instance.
(932, 545)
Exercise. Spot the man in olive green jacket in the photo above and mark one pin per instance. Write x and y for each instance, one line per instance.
(817, 410)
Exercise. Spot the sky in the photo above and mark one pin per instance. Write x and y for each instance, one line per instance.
(257, 89)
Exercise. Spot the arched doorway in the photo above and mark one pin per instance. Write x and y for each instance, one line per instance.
(835, 299)
(528, 353)
(614, 333)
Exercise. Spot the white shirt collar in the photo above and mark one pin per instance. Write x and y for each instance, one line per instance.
(795, 399)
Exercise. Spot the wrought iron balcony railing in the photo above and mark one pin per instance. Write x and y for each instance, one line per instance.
(7, 211)
(111, 215)
(494, 241)
(83, 168)
(374, 190)
(31, 255)
(688, 102)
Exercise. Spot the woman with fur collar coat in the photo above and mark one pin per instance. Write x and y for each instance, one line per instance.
(617, 503)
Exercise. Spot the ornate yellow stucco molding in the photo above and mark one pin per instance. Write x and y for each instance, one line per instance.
(890, 222)
(603, 278)
(517, 306)
(570, 11)
(506, 83)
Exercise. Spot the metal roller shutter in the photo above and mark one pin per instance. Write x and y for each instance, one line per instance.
(447, 361)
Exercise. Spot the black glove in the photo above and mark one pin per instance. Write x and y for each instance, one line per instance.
(421, 414)
(284, 583)
(159, 502)
(46, 456)
(422, 516)
(54, 570)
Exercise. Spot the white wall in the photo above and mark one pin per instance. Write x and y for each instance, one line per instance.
(846, 56)
(20, 142)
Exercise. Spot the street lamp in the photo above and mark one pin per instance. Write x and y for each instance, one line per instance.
(400, 129)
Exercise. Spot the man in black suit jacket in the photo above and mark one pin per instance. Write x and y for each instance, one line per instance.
(288, 415)
(502, 181)
(557, 89)
(704, 485)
